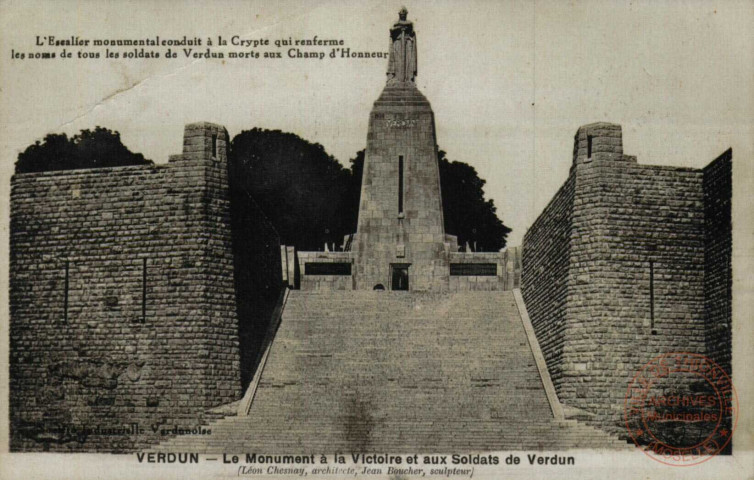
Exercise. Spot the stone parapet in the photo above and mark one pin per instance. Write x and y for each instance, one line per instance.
(471, 271)
(325, 270)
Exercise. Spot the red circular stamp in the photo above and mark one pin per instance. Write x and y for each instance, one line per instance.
(681, 409)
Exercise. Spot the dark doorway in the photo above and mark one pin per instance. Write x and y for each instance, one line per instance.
(399, 276)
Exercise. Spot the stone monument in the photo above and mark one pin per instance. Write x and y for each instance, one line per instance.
(400, 242)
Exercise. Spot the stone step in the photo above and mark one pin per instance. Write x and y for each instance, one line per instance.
(397, 371)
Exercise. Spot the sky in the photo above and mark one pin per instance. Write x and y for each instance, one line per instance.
(509, 82)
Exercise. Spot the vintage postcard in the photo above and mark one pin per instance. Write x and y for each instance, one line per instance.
(376, 240)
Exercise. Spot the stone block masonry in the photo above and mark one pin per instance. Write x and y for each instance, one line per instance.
(480, 271)
(381, 371)
(718, 279)
(325, 270)
(400, 212)
(122, 300)
(544, 283)
(619, 267)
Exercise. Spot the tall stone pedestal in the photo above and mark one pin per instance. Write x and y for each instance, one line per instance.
(400, 241)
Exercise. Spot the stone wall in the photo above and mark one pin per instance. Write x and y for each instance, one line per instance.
(718, 279)
(614, 271)
(122, 300)
(506, 275)
(544, 276)
(625, 216)
(512, 274)
(309, 281)
(464, 283)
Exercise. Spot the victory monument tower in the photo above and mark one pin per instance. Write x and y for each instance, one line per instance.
(400, 242)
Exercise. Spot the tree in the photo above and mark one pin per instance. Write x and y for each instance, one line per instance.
(88, 149)
(467, 214)
(298, 185)
(353, 191)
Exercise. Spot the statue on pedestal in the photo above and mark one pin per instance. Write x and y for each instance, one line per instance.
(401, 67)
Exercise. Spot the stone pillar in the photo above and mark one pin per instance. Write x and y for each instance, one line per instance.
(597, 141)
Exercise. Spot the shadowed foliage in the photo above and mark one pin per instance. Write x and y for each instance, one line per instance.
(298, 185)
(467, 214)
(96, 148)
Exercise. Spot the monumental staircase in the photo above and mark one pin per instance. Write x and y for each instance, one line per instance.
(357, 371)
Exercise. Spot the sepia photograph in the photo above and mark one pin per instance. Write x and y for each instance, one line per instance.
(383, 240)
